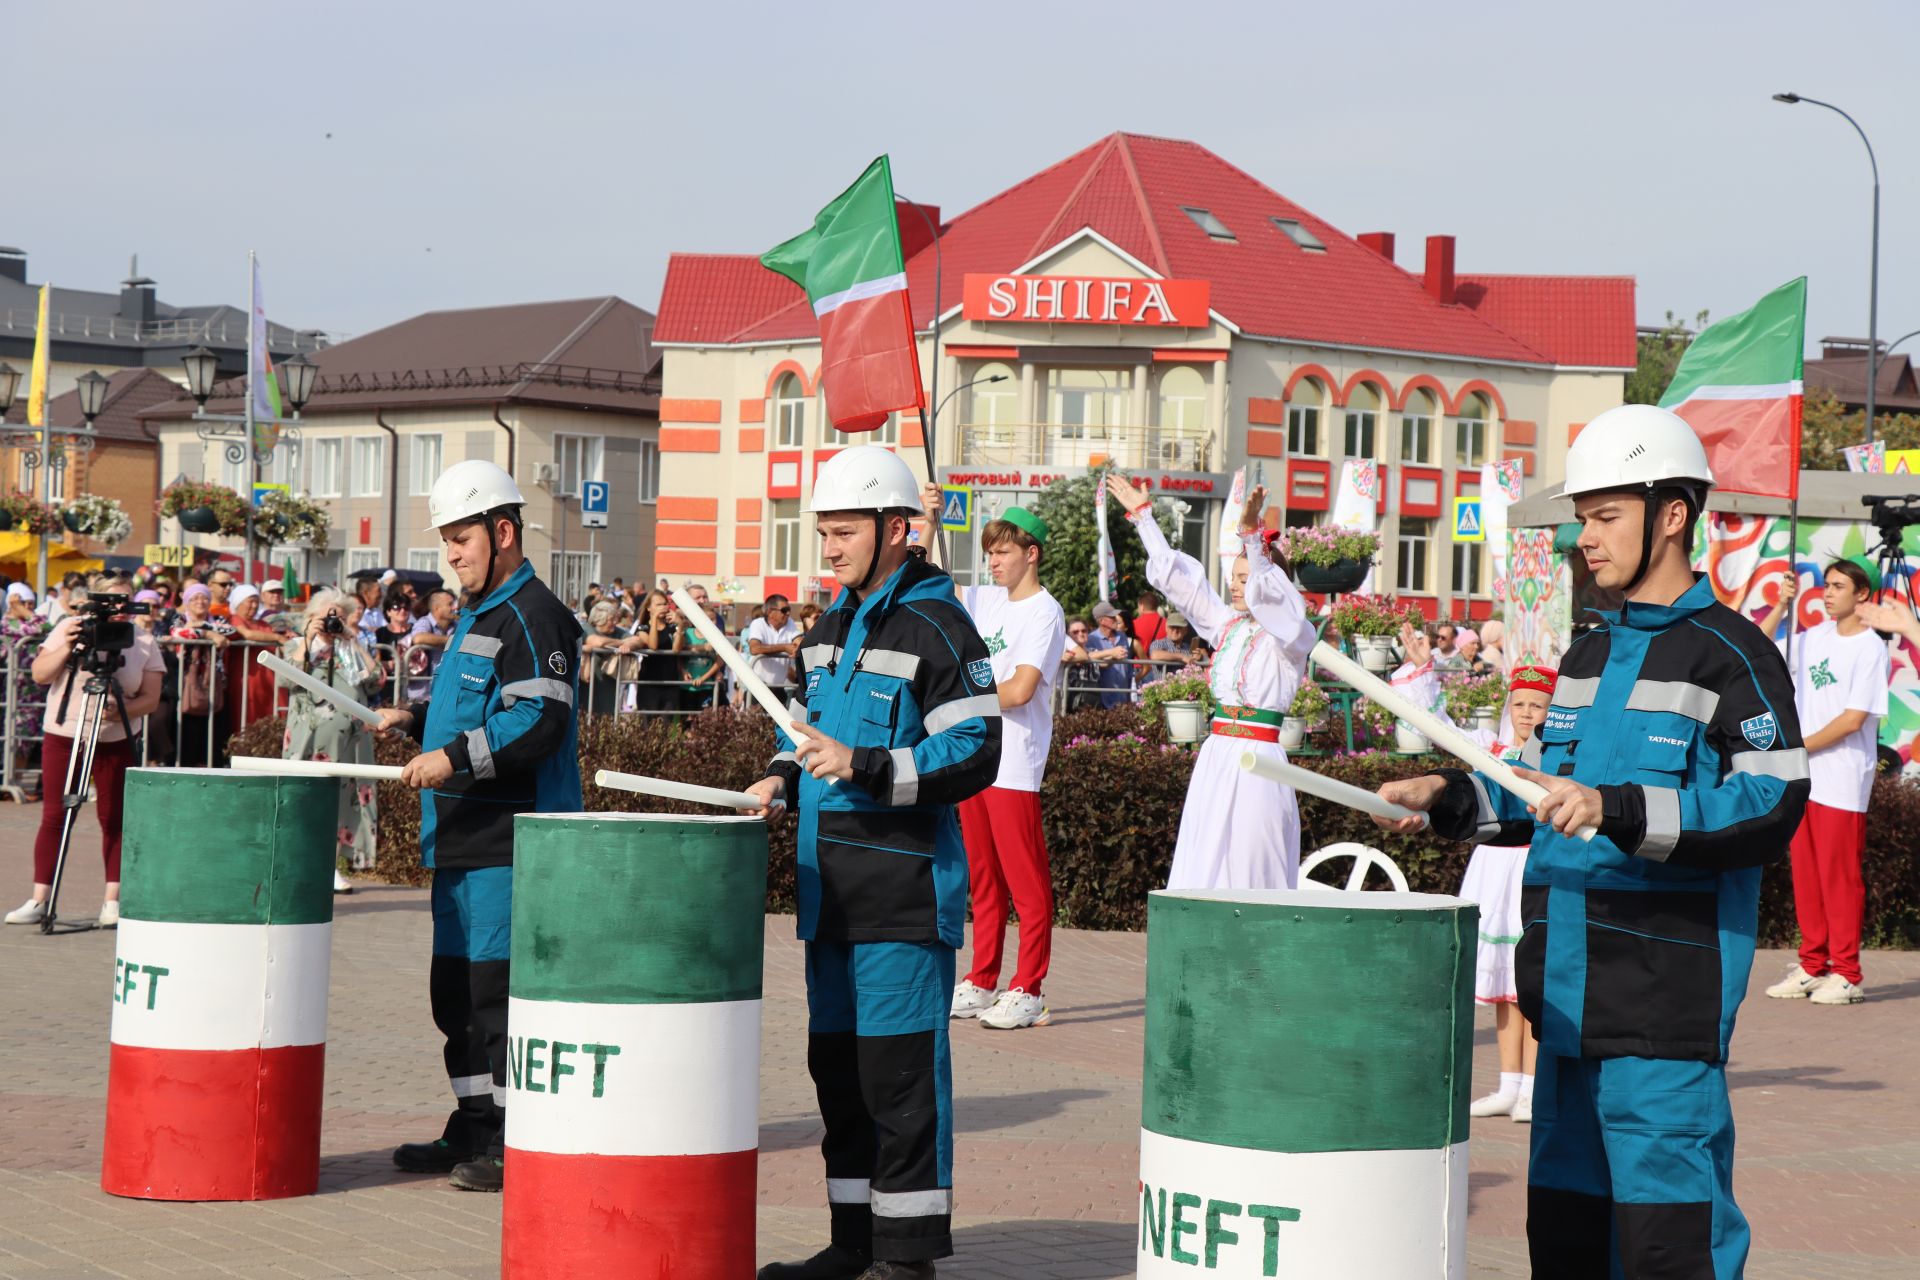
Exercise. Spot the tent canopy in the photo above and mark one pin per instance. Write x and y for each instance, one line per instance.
(20, 557)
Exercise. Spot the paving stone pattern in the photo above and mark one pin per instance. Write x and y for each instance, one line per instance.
(1047, 1122)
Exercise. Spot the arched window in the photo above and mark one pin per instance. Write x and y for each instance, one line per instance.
(789, 414)
(1471, 431)
(1363, 421)
(1183, 416)
(1305, 409)
(1416, 428)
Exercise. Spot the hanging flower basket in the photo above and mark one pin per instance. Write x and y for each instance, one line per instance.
(291, 518)
(228, 509)
(1329, 558)
(98, 517)
(1337, 578)
(29, 515)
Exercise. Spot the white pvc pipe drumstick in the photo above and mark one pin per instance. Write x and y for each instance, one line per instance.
(670, 790)
(1318, 784)
(1442, 734)
(320, 689)
(317, 768)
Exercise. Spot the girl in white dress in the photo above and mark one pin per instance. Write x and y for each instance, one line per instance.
(1236, 831)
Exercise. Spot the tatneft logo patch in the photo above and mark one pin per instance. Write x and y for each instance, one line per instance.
(477, 681)
(558, 661)
(882, 697)
(1668, 742)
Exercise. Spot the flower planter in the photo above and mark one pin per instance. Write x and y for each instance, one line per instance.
(1410, 740)
(1293, 732)
(74, 521)
(1186, 721)
(199, 520)
(1484, 718)
(1332, 579)
(1376, 653)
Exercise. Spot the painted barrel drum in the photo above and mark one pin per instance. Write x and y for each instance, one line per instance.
(633, 1046)
(219, 1034)
(1304, 1108)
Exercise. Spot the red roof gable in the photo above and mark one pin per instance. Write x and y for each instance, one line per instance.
(1131, 190)
(1573, 320)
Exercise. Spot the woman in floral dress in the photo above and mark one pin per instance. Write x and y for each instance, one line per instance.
(318, 730)
(21, 632)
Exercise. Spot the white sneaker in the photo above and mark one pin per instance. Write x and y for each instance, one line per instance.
(1494, 1104)
(1833, 989)
(109, 914)
(341, 884)
(1523, 1110)
(970, 1001)
(1797, 985)
(28, 912)
(1015, 1009)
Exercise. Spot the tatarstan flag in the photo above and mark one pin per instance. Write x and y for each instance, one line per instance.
(849, 263)
(1739, 386)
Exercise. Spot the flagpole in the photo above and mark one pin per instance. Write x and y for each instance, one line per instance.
(933, 477)
(1793, 568)
(252, 468)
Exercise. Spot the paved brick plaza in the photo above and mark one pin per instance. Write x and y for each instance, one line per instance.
(1047, 1120)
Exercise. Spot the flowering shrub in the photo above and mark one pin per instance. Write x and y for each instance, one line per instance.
(30, 515)
(98, 517)
(1358, 615)
(291, 517)
(1327, 545)
(184, 495)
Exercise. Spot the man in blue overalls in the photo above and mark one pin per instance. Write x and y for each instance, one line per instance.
(902, 722)
(497, 739)
(1672, 732)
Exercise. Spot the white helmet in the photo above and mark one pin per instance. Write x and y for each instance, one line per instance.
(1636, 446)
(865, 478)
(469, 489)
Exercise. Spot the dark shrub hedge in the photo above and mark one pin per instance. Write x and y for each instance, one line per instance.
(1112, 800)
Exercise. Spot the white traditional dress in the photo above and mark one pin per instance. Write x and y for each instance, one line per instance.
(1237, 831)
(1493, 881)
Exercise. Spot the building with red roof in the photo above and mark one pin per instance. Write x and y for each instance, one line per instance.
(1146, 302)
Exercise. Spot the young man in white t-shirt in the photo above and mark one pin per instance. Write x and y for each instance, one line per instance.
(1840, 690)
(1025, 632)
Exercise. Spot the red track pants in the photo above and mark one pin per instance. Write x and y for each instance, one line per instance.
(1007, 857)
(1828, 895)
(110, 764)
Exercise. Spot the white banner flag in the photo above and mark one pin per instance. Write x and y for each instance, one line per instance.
(1356, 504)
(1109, 567)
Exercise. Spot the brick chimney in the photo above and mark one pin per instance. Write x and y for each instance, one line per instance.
(1381, 242)
(914, 234)
(1439, 277)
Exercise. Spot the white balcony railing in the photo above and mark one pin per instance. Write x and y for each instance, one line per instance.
(1051, 444)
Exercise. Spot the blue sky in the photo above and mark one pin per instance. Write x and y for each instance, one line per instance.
(490, 153)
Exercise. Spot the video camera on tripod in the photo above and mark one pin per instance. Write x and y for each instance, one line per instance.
(1893, 514)
(102, 639)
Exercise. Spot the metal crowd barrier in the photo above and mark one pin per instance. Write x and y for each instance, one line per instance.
(1080, 696)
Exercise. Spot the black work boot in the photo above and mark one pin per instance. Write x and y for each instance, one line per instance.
(438, 1156)
(835, 1262)
(482, 1173)
(885, 1270)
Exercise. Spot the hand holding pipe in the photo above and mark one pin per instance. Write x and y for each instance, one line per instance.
(1310, 783)
(1442, 734)
(317, 768)
(670, 790)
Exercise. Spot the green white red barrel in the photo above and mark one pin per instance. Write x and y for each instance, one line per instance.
(217, 1067)
(1304, 1108)
(633, 1044)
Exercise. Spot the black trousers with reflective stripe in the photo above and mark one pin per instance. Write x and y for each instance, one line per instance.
(886, 1097)
(470, 1009)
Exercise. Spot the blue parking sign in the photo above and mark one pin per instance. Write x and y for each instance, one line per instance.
(594, 501)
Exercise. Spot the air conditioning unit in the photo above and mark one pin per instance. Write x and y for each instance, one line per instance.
(544, 473)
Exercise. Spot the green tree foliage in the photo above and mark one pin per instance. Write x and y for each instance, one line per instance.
(1827, 427)
(1659, 356)
(1071, 568)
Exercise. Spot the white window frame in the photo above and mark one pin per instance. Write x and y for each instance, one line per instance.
(1415, 533)
(589, 463)
(1360, 425)
(649, 472)
(1421, 426)
(359, 558)
(994, 406)
(789, 414)
(421, 470)
(424, 558)
(1303, 430)
(569, 572)
(888, 433)
(783, 547)
(359, 483)
(1472, 557)
(329, 466)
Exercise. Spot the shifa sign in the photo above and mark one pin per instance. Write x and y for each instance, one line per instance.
(1087, 300)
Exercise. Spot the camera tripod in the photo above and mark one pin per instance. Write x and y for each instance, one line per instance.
(100, 686)
(1891, 516)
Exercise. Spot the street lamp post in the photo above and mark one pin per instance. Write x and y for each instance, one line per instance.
(47, 446)
(1873, 284)
(235, 430)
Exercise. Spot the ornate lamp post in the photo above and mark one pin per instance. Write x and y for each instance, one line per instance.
(46, 448)
(235, 430)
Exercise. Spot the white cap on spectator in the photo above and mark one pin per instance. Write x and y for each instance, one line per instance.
(241, 594)
(19, 591)
(389, 576)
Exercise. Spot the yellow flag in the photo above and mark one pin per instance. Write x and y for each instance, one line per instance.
(37, 385)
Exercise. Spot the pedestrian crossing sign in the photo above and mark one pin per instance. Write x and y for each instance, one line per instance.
(1466, 521)
(956, 508)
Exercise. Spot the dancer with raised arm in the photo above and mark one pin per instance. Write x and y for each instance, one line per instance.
(1237, 831)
